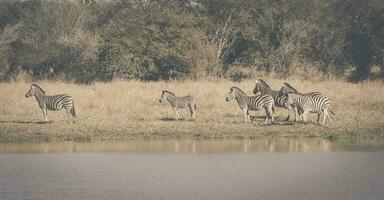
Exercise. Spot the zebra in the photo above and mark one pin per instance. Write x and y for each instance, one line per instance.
(254, 103)
(54, 103)
(303, 104)
(288, 88)
(279, 99)
(262, 87)
(179, 102)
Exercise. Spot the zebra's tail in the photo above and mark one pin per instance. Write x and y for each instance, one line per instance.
(331, 111)
(73, 109)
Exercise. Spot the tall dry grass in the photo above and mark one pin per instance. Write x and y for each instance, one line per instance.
(130, 109)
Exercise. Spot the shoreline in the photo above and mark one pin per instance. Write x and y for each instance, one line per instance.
(103, 135)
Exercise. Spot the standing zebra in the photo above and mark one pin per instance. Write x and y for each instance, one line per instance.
(303, 104)
(55, 103)
(248, 103)
(262, 87)
(288, 88)
(280, 100)
(179, 102)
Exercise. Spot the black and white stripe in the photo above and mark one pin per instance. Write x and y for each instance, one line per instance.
(262, 87)
(252, 103)
(286, 87)
(279, 99)
(303, 105)
(55, 102)
(179, 102)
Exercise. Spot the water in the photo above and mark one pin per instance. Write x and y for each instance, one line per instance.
(187, 169)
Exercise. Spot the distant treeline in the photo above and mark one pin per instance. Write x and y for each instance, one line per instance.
(87, 40)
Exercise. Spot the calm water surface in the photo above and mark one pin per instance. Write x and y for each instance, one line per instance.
(189, 169)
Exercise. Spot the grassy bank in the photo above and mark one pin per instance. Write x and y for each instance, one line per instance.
(131, 110)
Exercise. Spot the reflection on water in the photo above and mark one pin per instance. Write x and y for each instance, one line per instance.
(190, 169)
(196, 146)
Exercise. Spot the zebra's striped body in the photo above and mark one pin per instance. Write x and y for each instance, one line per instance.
(262, 87)
(309, 104)
(54, 103)
(179, 102)
(286, 88)
(253, 103)
(279, 99)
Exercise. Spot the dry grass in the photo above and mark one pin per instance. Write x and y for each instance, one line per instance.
(131, 110)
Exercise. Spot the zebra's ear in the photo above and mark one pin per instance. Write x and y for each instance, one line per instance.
(257, 81)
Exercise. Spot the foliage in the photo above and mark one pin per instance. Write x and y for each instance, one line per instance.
(85, 41)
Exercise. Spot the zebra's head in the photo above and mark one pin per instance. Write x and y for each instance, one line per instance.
(164, 95)
(284, 91)
(257, 87)
(286, 88)
(262, 87)
(231, 94)
(31, 92)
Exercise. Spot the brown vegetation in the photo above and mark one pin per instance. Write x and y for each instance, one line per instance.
(131, 110)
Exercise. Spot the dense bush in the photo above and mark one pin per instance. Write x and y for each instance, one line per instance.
(85, 41)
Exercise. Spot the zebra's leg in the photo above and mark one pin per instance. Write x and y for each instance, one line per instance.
(245, 115)
(269, 114)
(45, 114)
(266, 114)
(318, 117)
(248, 116)
(176, 114)
(304, 115)
(329, 117)
(295, 112)
(272, 117)
(289, 113)
(193, 114)
(325, 115)
(71, 118)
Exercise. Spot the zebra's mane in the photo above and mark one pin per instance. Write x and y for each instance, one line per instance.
(262, 82)
(171, 93)
(38, 87)
(237, 88)
(288, 86)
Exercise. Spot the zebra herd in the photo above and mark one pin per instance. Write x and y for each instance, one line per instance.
(287, 97)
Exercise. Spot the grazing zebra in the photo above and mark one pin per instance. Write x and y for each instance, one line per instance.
(305, 104)
(254, 103)
(179, 102)
(55, 102)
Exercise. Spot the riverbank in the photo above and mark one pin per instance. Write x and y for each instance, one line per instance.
(123, 110)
